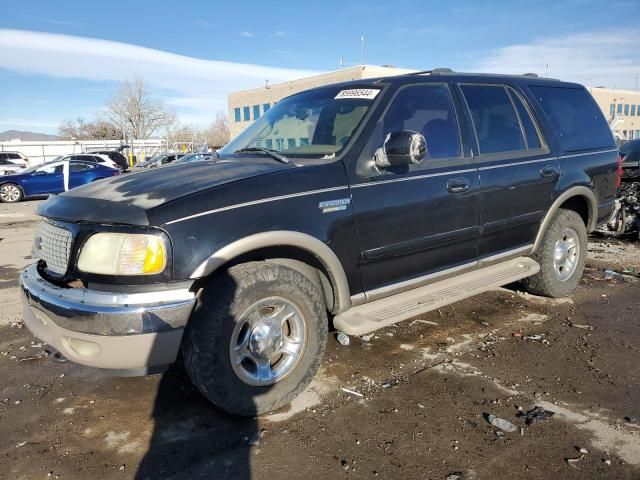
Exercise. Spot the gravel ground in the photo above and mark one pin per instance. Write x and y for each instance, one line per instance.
(422, 391)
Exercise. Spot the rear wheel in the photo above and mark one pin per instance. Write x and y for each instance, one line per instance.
(10, 193)
(561, 255)
(256, 337)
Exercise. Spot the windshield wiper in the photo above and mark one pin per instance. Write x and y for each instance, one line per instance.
(272, 153)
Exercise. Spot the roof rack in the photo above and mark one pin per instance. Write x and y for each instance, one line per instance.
(534, 75)
(435, 71)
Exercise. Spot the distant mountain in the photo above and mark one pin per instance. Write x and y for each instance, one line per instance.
(25, 136)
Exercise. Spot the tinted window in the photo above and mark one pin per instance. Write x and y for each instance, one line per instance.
(14, 156)
(5, 162)
(495, 120)
(78, 167)
(530, 132)
(426, 109)
(4, 155)
(575, 116)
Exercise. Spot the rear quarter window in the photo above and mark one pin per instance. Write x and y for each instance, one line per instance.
(575, 116)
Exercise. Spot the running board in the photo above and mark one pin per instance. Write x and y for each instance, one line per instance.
(387, 311)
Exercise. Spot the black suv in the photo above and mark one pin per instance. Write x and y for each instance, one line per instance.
(365, 203)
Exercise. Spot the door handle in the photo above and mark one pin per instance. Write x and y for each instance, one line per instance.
(458, 185)
(548, 171)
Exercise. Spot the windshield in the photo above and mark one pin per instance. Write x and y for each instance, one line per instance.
(314, 123)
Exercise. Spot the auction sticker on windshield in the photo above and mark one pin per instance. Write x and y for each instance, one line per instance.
(368, 93)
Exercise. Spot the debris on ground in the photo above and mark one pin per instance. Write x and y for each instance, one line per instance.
(352, 392)
(455, 476)
(573, 461)
(581, 326)
(343, 339)
(501, 423)
(254, 441)
(536, 414)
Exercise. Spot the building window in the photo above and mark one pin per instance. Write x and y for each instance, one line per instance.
(265, 107)
(256, 112)
(619, 108)
(626, 109)
(258, 143)
(637, 133)
(291, 142)
(638, 111)
(633, 109)
(304, 141)
(268, 143)
(236, 114)
(612, 109)
(246, 114)
(279, 144)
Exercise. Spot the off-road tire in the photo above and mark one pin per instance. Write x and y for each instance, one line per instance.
(545, 282)
(208, 334)
(18, 199)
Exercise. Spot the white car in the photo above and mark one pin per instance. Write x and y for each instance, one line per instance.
(12, 162)
(90, 157)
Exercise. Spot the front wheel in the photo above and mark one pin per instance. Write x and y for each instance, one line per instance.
(561, 255)
(256, 337)
(10, 193)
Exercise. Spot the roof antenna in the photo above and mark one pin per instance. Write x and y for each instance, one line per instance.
(362, 47)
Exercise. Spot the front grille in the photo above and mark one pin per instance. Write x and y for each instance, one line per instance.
(53, 245)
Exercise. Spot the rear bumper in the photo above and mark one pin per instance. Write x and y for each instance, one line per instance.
(113, 330)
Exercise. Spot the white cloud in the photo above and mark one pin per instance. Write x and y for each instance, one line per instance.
(175, 76)
(248, 34)
(282, 34)
(605, 58)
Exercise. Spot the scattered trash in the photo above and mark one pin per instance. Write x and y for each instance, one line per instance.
(486, 324)
(343, 339)
(255, 440)
(522, 431)
(606, 461)
(612, 275)
(536, 414)
(573, 461)
(366, 338)
(455, 476)
(535, 338)
(583, 450)
(20, 444)
(352, 392)
(582, 326)
(517, 334)
(501, 423)
(426, 322)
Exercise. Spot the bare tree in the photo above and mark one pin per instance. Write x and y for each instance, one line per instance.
(80, 129)
(217, 134)
(136, 112)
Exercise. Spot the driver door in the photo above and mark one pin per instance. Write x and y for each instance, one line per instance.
(414, 222)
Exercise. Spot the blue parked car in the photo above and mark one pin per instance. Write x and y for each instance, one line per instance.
(49, 177)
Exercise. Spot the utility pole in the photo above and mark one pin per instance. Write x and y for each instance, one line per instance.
(362, 47)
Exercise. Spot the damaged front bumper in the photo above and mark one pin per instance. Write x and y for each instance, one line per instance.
(132, 333)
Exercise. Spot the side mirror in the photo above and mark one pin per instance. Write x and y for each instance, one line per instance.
(400, 149)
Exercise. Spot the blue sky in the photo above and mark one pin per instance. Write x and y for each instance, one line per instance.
(63, 59)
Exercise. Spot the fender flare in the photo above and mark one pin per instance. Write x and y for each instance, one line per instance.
(578, 191)
(303, 241)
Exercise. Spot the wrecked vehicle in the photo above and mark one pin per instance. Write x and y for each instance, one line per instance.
(363, 203)
(625, 219)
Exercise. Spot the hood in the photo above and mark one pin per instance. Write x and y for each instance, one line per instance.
(126, 199)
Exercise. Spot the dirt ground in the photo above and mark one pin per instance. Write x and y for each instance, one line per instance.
(415, 408)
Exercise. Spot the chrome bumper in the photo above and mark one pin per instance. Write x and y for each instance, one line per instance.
(112, 330)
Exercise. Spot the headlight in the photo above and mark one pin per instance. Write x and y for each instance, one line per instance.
(123, 254)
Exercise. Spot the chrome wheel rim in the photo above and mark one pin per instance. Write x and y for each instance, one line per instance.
(9, 193)
(268, 341)
(566, 254)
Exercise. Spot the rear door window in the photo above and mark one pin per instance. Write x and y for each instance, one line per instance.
(575, 116)
(79, 167)
(426, 109)
(530, 132)
(494, 119)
